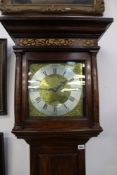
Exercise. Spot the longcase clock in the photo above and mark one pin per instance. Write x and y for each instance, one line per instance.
(56, 88)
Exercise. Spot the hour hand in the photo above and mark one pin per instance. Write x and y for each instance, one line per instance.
(49, 89)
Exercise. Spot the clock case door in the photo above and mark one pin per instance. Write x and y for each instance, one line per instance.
(58, 123)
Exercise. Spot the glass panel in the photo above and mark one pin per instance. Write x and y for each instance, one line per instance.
(57, 89)
(83, 2)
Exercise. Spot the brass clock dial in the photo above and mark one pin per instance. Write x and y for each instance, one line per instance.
(56, 89)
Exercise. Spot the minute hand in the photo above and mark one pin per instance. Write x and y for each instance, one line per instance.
(59, 85)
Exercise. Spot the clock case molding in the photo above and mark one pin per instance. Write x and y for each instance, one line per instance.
(52, 143)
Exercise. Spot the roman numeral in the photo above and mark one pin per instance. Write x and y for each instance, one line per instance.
(45, 106)
(64, 73)
(34, 89)
(72, 79)
(38, 99)
(45, 73)
(55, 109)
(71, 98)
(65, 106)
(37, 80)
(54, 70)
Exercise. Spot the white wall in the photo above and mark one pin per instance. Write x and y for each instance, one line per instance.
(16, 151)
(101, 152)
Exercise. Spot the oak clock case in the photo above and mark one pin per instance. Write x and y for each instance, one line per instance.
(3, 76)
(56, 88)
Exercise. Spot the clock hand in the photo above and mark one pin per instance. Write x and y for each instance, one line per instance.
(56, 88)
(62, 83)
(42, 89)
(50, 89)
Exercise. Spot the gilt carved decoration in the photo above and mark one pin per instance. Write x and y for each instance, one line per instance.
(53, 42)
